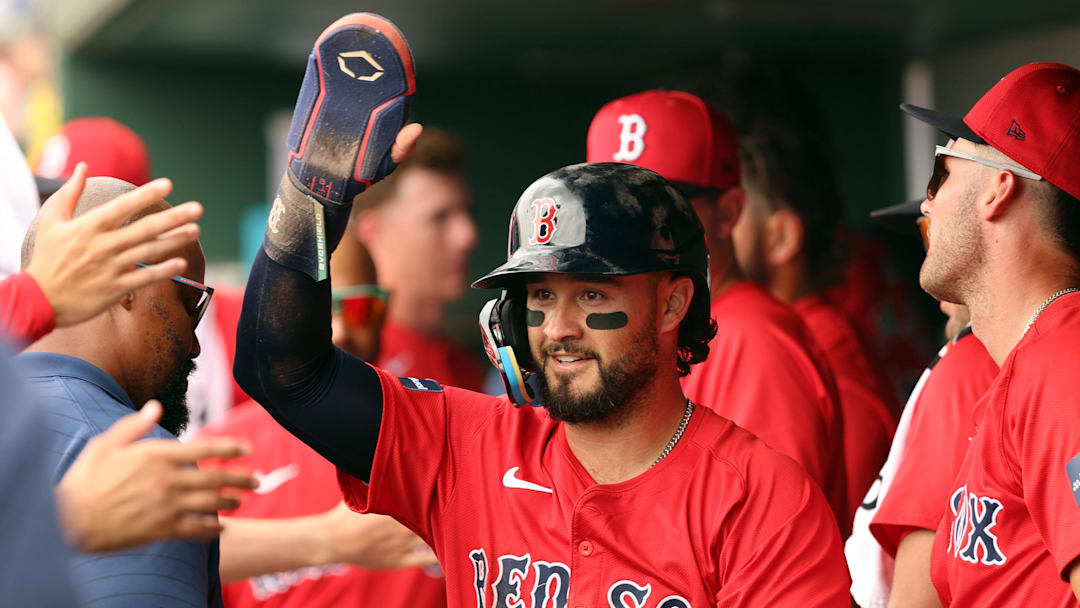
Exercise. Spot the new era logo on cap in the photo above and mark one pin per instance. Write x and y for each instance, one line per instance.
(1016, 132)
(673, 133)
(1032, 115)
(1045, 99)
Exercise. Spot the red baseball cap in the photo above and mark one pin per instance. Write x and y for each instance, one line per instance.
(676, 134)
(108, 148)
(1032, 115)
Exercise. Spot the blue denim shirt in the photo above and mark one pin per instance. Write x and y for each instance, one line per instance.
(80, 401)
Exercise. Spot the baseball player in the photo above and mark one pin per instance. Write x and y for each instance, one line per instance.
(786, 240)
(888, 552)
(766, 373)
(618, 491)
(1004, 225)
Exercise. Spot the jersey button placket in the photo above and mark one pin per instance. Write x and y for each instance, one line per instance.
(586, 561)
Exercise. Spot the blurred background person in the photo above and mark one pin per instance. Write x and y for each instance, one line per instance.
(417, 226)
(787, 240)
(19, 200)
(765, 372)
(109, 149)
(311, 559)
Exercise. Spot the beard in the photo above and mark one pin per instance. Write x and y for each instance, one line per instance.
(620, 381)
(173, 397)
(956, 253)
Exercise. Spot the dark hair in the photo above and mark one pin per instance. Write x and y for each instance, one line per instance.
(696, 330)
(1063, 215)
(436, 150)
(792, 169)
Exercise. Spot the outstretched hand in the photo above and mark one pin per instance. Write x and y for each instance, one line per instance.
(122, 492)
(85, 264)
(373, 541)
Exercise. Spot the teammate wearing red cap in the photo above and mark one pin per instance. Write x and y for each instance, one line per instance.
(604, 301)
(1005, 241)
(766, 372)
(787, 240)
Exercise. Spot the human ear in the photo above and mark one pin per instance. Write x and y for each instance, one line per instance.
(677, 292)
(127, 300)
(783, 237)
(1000, 196)
(729, 206)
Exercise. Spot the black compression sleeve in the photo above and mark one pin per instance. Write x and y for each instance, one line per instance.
(285, 361)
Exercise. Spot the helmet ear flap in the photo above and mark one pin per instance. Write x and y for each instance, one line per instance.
(515, 333)
(506, 341)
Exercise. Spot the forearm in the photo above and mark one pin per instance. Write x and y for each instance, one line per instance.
(912, 587)
(253, 547)
(286, 362)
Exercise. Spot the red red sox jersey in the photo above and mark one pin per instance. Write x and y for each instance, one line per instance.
(942, 420)
(296, 480)
(1012, 518)
(766, 373)
(926, 452)
(517, 521)
(866, 399)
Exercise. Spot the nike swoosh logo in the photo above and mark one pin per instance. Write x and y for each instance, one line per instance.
(511, 481)
(268, 482)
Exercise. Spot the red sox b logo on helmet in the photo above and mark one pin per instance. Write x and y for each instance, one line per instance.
(544, 210)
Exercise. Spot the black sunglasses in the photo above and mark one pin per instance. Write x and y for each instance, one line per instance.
(204, 297)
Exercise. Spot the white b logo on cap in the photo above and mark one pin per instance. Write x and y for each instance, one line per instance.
(631, 139)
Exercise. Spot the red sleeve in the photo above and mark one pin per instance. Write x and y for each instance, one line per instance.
(937, 440)
(1041, 446)
(423, 424)
(26, 312)
(782, 547)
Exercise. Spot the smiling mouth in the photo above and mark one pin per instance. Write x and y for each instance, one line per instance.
(564, 361)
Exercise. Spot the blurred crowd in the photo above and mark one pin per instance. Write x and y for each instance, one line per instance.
(118, 347)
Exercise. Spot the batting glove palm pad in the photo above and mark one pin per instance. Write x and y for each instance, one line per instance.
(352, 103)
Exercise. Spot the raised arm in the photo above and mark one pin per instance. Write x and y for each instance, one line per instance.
(346, 134)
(285, 361)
